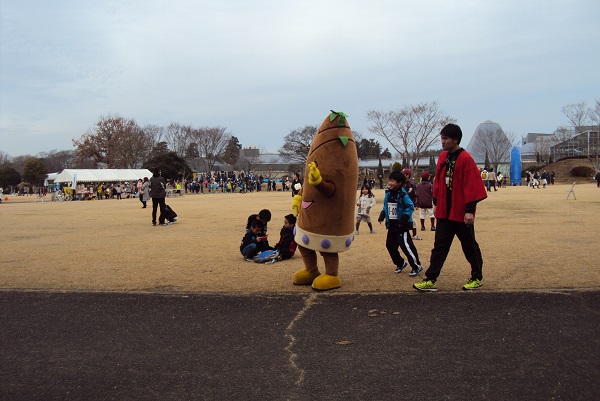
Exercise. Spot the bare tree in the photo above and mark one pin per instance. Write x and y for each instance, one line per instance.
(595, 118)
(581, 116)
(595, 115)
(178, 137)
(542, 147)
(4, 157)
(410, 131)
(392, 126)
(248, 163)
(58, 160)
(492, 141)
(297, 143)
(212, 142)
(134, 149)
(155, 134)
(429, 121)
(18, 162)
(578, 114)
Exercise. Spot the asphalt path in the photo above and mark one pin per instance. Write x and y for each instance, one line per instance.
(314, 346)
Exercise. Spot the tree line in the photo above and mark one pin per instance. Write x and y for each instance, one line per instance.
(118, 142)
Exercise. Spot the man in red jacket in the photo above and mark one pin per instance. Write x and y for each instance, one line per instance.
(457, 188)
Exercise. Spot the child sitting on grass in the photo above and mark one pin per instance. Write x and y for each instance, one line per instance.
(286, 245)
(264, 216)
(285, 248)
(253, 242)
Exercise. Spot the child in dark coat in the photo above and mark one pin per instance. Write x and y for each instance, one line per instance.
(286, 245)
(425, 200)
(264, 216)
(253, 241)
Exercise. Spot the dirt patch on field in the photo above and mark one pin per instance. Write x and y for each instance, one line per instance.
(530, 239)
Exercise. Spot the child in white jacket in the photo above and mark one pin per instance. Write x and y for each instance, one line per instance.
(365, 202)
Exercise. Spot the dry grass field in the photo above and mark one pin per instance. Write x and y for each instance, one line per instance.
(530, 240)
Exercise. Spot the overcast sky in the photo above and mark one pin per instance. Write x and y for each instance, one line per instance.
(262, 68)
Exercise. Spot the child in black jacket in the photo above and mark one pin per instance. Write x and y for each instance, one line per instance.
(286, 245)
(253, 241)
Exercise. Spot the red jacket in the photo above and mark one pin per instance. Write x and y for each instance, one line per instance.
(467, 187)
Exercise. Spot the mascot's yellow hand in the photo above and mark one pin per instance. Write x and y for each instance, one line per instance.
(314, 175)
(296, 203)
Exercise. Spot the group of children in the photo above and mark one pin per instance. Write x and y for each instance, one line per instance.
(255, 243)
(398, 207)
(399, 202)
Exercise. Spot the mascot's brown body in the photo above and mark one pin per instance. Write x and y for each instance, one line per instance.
(325, 204)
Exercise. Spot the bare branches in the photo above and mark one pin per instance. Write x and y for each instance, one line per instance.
(429, 121)
(154, 133)
(491, 142)
(578, 114)
(178, 138)
(384, 125)
(410, 131)
(248, 163)
(297, 144)
(211, 142)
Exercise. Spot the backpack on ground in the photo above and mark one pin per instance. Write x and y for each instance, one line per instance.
(269, 256)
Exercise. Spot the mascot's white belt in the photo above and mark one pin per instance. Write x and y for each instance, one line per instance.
(323, 243)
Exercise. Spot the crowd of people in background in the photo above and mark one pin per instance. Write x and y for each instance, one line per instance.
(221, 181)
(231, 182)
(535, 178)
(491, 179)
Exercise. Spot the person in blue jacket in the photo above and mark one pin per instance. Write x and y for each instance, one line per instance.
(397, 213)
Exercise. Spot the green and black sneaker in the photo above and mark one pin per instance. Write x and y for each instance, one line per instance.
(425, 285)
(472, 284)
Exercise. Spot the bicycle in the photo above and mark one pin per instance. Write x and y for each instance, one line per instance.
(59, 196)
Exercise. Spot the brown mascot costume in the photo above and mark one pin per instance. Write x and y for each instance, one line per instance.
(325, 204)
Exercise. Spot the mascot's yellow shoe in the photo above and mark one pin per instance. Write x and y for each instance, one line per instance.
(304, 277)
(326, 282)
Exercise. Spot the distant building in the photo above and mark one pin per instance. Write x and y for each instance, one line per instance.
(535, 147)
(250, 151)
(564, 142)
(586, 143)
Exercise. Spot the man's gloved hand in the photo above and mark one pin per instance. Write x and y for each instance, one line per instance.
(381, 216)
(314, 175)
(296, 204)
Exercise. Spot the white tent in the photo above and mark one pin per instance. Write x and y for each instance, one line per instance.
(50, 179)
(103, 175)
